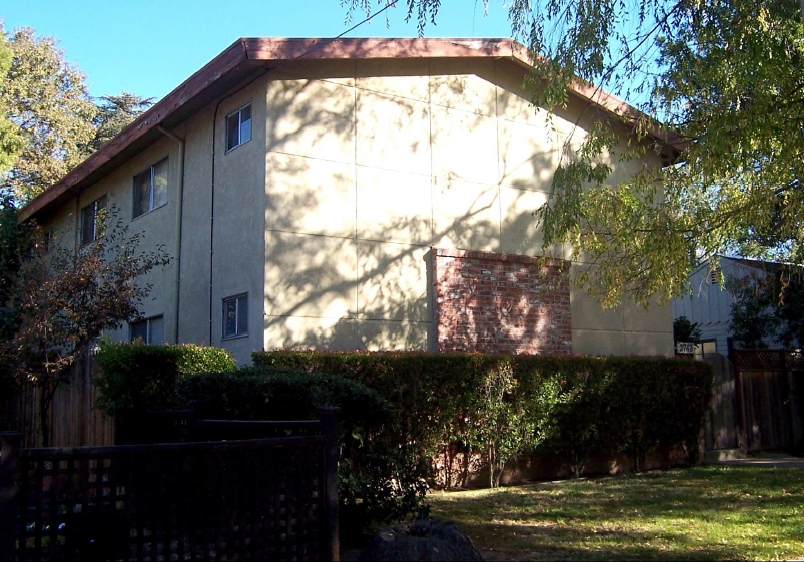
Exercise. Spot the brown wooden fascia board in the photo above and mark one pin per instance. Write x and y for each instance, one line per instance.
(271, 49)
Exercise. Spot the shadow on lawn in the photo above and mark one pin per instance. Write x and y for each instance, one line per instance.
(698, 514)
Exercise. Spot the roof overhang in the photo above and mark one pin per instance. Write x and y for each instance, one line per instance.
(246, 57)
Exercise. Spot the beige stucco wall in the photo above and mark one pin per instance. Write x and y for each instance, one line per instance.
(370, 163)
(154, 228)
(237, 259)
(355, 169)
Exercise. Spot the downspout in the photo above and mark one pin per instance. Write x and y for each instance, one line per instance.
(179, 203)
(77, 221)
(212, 187)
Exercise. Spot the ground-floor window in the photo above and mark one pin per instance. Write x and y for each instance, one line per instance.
(235, 316)
(149, 330)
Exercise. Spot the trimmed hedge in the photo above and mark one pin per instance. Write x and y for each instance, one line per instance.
(136, 377)
(380, 479)
(500, 406)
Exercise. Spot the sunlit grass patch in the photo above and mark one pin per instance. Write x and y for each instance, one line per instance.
(706, 513)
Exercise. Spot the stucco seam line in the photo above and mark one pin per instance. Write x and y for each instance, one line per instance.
(390, 95)
(398, 171)
(513, 258)
(344, 238)
(430, 146)
(345, 163)
(354, 140)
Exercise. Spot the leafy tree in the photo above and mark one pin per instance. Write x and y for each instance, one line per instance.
(50, 122)
(11, 237)
(10, 140)
(46, 98)
(726, 78)
(114, 113)
(769, 310)
(686, 331)
(64, 299)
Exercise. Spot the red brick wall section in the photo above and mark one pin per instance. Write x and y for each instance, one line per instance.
(498, 303)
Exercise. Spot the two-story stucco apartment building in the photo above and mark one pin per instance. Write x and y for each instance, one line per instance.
(355, 194)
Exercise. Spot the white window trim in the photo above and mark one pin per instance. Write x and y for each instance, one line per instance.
(151, 169)
(95, 235)
(236, 298)
(239, 126)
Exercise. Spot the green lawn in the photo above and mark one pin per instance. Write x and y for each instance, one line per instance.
(705, 513)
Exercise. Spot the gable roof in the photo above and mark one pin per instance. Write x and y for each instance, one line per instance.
(247, 57)
(760, 265)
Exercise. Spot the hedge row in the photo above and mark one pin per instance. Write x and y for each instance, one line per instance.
(138, 377)
(380, 478)
(401, 410)
(500, 406)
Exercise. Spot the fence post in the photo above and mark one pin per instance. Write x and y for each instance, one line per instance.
(9, 492)
(329, 428)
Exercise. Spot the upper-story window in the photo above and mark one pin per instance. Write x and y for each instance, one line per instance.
(238, 127)
(150, 188)
(92, 221)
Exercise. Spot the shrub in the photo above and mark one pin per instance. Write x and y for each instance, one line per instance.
(380, 479)
(136, 377)
(499, 406)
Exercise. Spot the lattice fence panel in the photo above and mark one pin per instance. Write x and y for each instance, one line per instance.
(245, 500)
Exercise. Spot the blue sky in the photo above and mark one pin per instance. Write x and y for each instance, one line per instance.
(149, 47)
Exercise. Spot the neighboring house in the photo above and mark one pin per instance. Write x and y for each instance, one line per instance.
(710, 303)
(356, 194)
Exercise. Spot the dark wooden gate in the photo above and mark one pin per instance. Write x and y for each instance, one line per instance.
(721, 419)
(258, 499)
(769, 415)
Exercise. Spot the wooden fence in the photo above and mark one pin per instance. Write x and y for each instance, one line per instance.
(72, 420)
(720, 429)
(256, 499)
(770, 416)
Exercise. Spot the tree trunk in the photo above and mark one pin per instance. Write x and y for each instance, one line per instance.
(491, 457)
(44, 404)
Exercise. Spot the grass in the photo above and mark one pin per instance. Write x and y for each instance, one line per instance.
(710, 513)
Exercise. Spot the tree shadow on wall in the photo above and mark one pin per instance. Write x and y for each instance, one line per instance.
(343, 275)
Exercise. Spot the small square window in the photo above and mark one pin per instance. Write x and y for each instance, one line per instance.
(92, 219)
(150, 330)
(238, 127)
(235, 316)
(150, 188)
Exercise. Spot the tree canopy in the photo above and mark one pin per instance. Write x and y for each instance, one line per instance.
(59, 300)
(768, 310)
(49, 122)
(724, 78)
(10, 139)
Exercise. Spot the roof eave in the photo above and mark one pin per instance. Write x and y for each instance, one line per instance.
(266, 50)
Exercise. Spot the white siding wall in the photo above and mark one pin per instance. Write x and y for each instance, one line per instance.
(710, 304)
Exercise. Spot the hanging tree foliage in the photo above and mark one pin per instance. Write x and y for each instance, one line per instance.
(726, 80)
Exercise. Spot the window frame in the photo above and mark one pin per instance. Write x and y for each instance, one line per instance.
(98, 231)
(240, 141)
(148, 334)
(151, 170)
(48, 239)
(237, 299)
